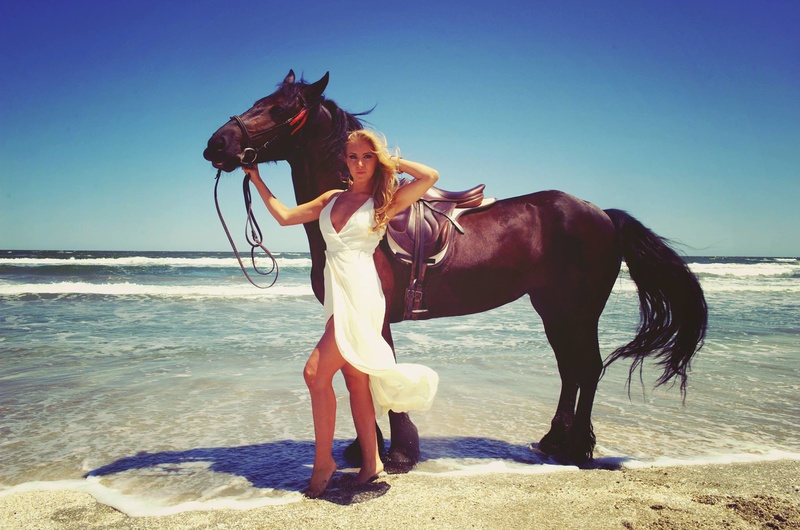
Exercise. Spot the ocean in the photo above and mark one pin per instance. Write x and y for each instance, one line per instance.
(161, 382)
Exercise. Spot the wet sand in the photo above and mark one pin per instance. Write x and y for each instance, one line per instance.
(750, 495)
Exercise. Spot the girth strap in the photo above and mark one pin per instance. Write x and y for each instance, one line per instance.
(414, 292)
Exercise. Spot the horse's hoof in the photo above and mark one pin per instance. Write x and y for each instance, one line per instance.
(580, 454)
(395, 468)
(352, 454)
(551, 444)
(398, 463)
(578, 459)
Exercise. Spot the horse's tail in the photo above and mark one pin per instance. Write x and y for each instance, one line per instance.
(673, 309)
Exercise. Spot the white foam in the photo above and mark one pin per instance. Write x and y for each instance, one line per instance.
(740, 270)
(460, 468)
(135, 505)
(141, 506)
(739, 458)
(724, 277)
(242, 290)
(143, 261)
(470, 467)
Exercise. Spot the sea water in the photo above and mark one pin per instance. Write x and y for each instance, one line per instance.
(164, 381)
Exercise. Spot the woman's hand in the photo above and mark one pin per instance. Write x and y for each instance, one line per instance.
(252, 172)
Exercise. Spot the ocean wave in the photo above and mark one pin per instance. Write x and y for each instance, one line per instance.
(704, 267)
(761, 268)
(783, 269)
(146, 261)
(133, 289)
(767, 277)
(289, 290)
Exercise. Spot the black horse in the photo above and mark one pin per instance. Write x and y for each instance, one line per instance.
(563, 252)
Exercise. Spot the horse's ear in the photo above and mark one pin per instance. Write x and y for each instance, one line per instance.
(314, 91)
(289, 78)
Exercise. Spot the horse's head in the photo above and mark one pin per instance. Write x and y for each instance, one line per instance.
(269, 130)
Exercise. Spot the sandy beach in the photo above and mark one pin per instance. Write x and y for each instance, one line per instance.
(742, 495)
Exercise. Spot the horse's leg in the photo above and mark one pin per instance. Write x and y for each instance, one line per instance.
(580, 365)
(403, 452)
(581, 438)
(555, 441)
(352, 452)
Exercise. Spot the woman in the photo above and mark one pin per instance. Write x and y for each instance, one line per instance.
(352, 223)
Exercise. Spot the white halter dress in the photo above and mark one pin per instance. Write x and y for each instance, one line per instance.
(354, 297)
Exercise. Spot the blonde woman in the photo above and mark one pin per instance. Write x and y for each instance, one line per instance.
(352, 223)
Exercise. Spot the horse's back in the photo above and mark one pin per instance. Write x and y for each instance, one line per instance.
(548, 242)
(543, 226)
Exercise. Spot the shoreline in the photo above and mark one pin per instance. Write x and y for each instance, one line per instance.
(762, 494)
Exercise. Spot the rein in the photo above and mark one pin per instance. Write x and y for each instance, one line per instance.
(249, 156)
(254, 239)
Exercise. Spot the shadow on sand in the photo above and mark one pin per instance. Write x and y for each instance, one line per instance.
(286, 464)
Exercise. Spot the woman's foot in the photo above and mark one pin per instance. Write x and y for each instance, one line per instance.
(320, 478)
(369, 473)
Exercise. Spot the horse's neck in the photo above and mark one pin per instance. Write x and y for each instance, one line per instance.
(313, 170)
(308, 181)
(312, 177)
(314, 173)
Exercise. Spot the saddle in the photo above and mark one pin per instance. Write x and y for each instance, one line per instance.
(420, 236)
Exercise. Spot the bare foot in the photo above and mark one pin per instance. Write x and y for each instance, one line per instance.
(369, 473)
(319, 481)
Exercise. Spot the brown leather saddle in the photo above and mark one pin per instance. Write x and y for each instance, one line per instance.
(420, 236)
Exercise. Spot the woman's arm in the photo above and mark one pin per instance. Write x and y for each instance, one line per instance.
(424, 178)
(302, 213)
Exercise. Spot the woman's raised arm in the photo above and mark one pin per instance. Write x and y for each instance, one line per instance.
(424, 177)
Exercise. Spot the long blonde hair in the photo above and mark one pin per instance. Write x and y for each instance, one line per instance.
(384, 181)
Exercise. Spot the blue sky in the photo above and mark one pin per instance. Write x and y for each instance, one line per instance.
(684, 113)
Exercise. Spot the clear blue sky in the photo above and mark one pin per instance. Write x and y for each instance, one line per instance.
(684, 113)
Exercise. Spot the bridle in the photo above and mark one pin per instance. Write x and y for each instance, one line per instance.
(250, 153)
(248, 156)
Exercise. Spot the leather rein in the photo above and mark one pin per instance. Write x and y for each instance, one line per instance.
(248, 156)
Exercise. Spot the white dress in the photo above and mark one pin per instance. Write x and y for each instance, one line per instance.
(354, 297)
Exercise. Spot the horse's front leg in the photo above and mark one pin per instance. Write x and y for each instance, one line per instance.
(352, 452)
(403, 452)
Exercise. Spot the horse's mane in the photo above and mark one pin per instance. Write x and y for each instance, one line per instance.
(343, 122)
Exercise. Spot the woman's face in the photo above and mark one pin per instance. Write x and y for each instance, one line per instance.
(361, 161)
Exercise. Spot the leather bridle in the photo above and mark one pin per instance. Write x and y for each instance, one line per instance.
(250, 153)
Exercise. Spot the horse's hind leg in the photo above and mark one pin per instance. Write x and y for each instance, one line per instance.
(555, 441)
(579, 363)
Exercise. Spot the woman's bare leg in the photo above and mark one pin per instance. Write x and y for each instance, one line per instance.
(363, 411)
(320, 368)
